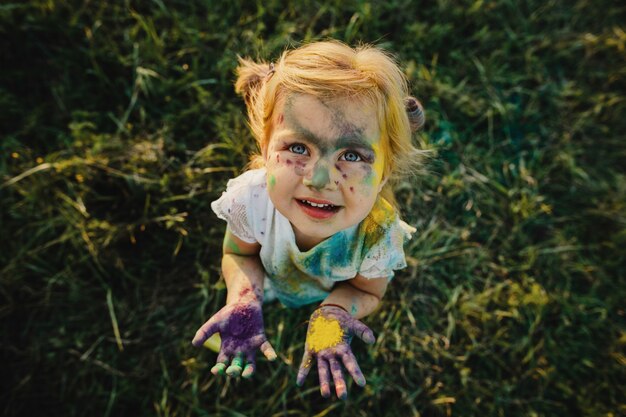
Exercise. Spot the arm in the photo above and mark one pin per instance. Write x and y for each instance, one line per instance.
(331, 328)
(240, 321)
(359, 296)
(242, 270)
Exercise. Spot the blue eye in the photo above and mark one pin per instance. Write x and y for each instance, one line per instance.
(351, 157)
(298, 148)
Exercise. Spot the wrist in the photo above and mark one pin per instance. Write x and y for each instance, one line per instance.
(248, 295)
(323, 305)
(245, 300)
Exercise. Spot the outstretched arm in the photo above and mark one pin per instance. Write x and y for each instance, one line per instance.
(240, 321)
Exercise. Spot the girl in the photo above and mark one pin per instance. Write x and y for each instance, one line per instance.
(314, 220)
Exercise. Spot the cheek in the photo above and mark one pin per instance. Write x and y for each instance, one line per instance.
(299, 168)
(284, 165)
(361, 179)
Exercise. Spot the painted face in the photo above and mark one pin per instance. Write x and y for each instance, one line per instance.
(324, 164)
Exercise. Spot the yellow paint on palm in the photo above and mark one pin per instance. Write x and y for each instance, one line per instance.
(324, 333)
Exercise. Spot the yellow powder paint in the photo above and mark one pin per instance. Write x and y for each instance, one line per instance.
(379, 162)
(324, 333)
(380, 217)
(377, 222)
(382, 212)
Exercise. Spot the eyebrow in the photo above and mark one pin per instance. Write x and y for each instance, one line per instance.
(349, 142)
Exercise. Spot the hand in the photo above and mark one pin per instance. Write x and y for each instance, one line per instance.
(242, 332)
(328, 340)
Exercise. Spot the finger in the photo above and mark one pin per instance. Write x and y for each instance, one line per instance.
(324, 376)
(362, 331)
(220, 366)
(268, 351)
(248, 371)
(218, 369)
(305, 367)
(236, 366)
(349, 361)
(211, 326)
(340, 383)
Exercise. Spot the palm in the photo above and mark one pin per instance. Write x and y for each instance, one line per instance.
(328, 342)
(242, 333)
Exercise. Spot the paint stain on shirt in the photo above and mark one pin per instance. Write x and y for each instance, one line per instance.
(377, 222)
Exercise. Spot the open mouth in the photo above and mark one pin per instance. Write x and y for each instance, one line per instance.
(318, 210)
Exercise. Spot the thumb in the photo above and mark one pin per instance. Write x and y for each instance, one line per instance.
(211, 326)
(361, 331)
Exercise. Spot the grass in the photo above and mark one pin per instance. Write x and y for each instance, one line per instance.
(119, 125)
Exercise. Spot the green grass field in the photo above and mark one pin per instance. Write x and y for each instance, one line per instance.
(119, 125)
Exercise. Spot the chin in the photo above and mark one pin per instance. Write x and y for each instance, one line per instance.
(314, 230)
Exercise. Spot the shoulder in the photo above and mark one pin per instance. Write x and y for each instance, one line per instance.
(249, 179)
(384, 236)
(241, 202)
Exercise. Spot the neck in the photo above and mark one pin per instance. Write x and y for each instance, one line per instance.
(305, 242)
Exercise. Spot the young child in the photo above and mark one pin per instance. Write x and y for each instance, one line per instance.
(314, 220)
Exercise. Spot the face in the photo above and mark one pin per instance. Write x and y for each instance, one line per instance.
(324, 164)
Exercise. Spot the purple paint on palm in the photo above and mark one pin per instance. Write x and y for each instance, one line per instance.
(242, 332)
(328, 342)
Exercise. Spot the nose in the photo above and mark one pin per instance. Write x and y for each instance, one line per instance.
(319, 177)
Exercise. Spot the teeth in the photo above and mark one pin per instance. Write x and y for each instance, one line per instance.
(317, 205)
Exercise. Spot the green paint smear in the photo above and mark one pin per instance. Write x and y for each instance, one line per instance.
(321, 177)
(231, 244)
(272, 181)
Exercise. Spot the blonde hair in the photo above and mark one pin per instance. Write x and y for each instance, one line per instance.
(332, 69)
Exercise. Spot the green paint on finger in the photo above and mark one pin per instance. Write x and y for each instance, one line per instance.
(237, 361)
(248, 371)
(218, 369)
(233, 371)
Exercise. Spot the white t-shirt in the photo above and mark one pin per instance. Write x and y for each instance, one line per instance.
(372, 248)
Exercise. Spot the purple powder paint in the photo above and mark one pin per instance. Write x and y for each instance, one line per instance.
(242, 332)
(244, 322)
(240, 327)
(253, 292)
(343, 175)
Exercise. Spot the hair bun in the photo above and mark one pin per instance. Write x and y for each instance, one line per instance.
(415, 111)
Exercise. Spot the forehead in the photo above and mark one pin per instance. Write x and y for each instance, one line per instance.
(331, 120)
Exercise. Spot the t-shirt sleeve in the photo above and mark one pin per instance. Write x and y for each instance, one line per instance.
(233, 206)
(387, 254)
